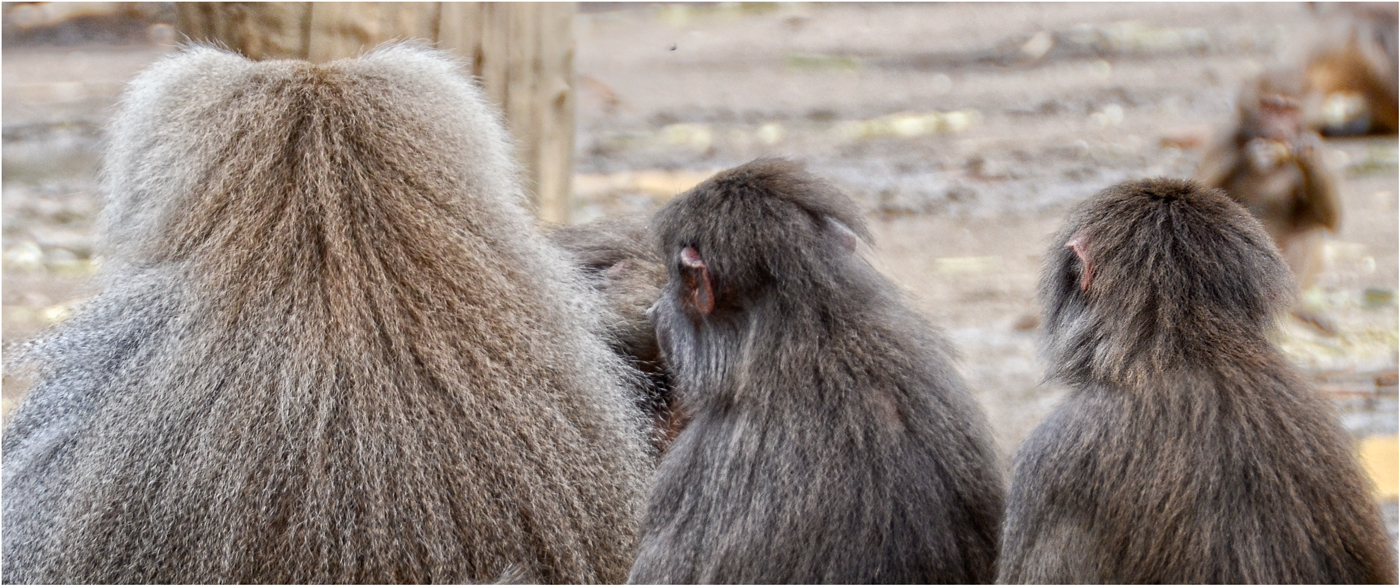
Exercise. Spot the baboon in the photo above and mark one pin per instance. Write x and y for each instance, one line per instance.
(1272, 165)
(1353, 76)
(1189, 449)
(333, 347)
(617, 256)
(830, 438)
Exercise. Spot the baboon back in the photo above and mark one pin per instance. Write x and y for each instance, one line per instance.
(1189, 449)
(832, 439)
(334, 347)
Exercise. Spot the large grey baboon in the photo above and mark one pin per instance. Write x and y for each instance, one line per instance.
(333, 347)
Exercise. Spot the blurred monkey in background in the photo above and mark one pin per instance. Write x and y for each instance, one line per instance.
(1352, 76)
(1271, 163)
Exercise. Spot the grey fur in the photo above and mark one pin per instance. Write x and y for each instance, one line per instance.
(333, 347)
(621, 263)
(1189, 450)
(831, 439)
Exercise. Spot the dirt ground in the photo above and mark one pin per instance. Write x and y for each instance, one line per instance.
(965, 130)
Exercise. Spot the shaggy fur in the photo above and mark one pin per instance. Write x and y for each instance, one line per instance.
(1190, 450)
(831, 439)
(333, 347)
(621, 263)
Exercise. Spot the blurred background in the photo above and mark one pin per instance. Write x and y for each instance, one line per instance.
(964, 130)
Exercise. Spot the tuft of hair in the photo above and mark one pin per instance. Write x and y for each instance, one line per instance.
(1176, 269)
(334, 347)
(602, 243)
(617, 257)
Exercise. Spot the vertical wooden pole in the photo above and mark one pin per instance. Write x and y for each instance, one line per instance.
(258, 30)
(554, 115)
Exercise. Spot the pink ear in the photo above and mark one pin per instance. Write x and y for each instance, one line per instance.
(703, 296)
(1079, 243)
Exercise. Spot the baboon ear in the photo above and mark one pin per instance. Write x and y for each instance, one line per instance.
(697, 280)
(842, 234)
(1079, 243)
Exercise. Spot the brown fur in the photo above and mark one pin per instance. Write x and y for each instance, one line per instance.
(334, 347)
(1357, 61)
(1272, 165)
(1189, 449)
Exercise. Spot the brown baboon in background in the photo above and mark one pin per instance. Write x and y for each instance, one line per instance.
(1189, 449)
(1352, 78)
(830, 438)
(1272, 164)
(334, 347)
(620, 260)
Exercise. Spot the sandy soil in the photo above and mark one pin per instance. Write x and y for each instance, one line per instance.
(967, 149)
(966, 131)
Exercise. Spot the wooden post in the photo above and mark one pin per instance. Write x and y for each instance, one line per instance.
(523, 54)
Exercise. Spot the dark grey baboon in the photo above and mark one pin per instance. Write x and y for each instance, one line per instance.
(620, 261)
(1189, 449)
(334, 347)
(830, 439)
